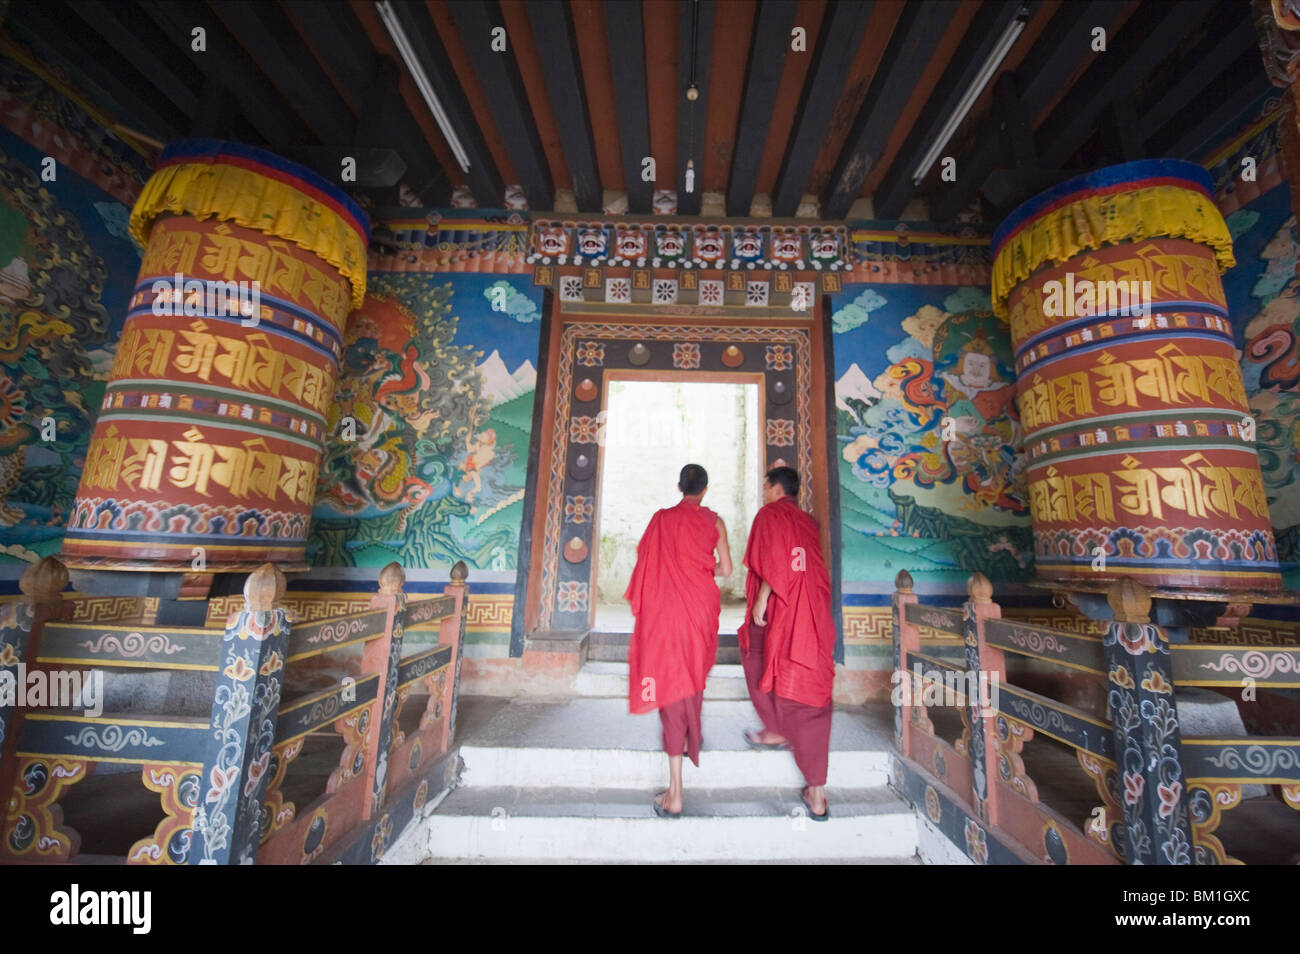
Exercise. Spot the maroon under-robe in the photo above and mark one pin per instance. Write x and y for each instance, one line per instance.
(790, 667)
(682, 733)
(676, 602)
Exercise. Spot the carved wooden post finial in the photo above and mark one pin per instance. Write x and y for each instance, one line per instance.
(459, 573)
(264, 589)
(903, 582)
(1129, 600)
(979, 588)
(44, 582)
(391, 579)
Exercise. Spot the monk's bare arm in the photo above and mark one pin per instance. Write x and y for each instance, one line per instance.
(760, 604)
(724, 552)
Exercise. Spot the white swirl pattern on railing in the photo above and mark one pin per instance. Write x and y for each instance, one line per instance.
(339, 631)
(324, 709)
(1254, 663)
(113, 739)
(1035, 641)
(133, 644)
(1259, 760)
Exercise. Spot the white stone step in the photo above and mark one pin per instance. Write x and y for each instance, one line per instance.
(751, 824)
(640, 770)
(608, 680)
(595, 743)
(914, 860)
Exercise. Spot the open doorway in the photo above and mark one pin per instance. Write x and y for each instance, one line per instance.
(652, 429)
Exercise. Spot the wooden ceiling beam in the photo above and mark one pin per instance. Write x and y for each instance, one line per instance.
(919, 31)
(837, 45)
(553, 31)
(484, 178)
(990, 23)
(1152, 34)
(1225, 101)
(769, 44)
(224, 61)
(498, 74)
(369, 78)
(1229, 36)
(267, 36)
(1046, 68)
(136, 38)
(94, 68)
(625, 31)
(695, 41)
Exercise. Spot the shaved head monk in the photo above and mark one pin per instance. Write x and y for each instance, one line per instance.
(787, 642)
(675, 640)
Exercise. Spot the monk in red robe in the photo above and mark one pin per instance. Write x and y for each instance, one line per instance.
(787, 642)
(675, 641)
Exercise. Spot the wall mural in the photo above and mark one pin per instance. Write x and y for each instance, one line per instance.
(66, 273)
(915, 365)
(431, 467)
(1263, 294)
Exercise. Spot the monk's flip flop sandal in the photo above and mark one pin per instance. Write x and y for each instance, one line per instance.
(812, 814)
(660, 810)
(753, 743)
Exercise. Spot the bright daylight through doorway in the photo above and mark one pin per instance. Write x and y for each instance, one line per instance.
(653, 429)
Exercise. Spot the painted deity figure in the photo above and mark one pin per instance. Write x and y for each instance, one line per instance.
(480, 449)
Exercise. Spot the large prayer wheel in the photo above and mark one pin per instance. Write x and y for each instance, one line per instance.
(1140, 443)
(212, 427)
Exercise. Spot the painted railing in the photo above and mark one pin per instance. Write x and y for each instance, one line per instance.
(1154, 810)
(269, 742)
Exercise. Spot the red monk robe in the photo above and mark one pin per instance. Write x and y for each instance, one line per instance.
(676, 603)
(784, 551)
(789, 662)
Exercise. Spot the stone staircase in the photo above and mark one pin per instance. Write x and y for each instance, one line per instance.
(571, 781)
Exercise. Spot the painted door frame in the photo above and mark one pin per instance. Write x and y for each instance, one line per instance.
(806, 336)
(658, 376)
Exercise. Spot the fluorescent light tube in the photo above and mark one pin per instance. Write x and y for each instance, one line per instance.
(422, 81)
(990, 67)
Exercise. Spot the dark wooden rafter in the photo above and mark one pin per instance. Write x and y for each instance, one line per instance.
(626, 35)
(767, 50)
(484, 179)
(1046, 68)
(498, 73)
(333, 31)
(568, 102)
(981, 38)
(692, 117)
(1122, 134)
(369, 81)
(1020, 173)
(225, 62)
(552, 25)
(97, 70)
(1146, 39)
(918, 32)
(1227, 36)
(215, 114)
(837, 44)
(267, 36)
(138, 40)
(1225, 99)
(1016, 125)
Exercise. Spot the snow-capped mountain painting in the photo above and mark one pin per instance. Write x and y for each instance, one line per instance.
(854, 384)
(502, 386)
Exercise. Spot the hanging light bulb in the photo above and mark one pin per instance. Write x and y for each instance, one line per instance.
(690, 175)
